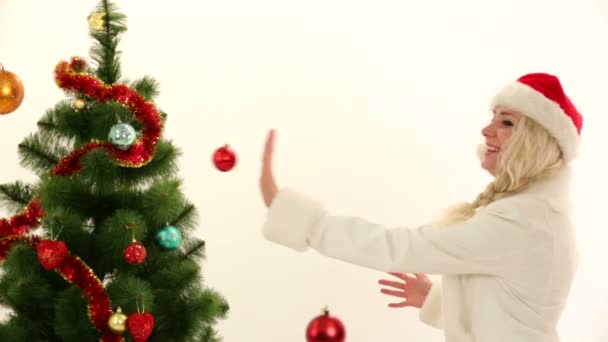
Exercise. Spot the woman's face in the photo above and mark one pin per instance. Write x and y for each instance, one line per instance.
(496, 134)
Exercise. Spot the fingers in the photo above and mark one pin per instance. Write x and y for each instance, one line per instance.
(399, 305)
(399, 294)
(267, 176)
(391, 283)
(269, 148)
(402, 276)
(393, 293)
(267, 183)
(421, 276)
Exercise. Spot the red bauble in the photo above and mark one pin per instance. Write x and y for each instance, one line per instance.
(140, 326)
(224, 158)
(51, 253)
(135, 253)
(325, 328)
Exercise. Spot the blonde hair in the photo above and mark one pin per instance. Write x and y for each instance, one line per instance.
(529, 155)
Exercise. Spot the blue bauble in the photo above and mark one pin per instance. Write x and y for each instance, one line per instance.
(122, 136)
(169, 237)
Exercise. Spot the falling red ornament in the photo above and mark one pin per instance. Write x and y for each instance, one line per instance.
(325, 328)
(51, 253)
(135, 253)
(224, 158)
(140, 326)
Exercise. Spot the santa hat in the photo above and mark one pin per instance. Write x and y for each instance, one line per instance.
(541, 97)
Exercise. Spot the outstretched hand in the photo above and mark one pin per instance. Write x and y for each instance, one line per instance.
(268, 185)
(413, 289)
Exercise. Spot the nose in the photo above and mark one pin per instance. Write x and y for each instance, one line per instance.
(488, 130)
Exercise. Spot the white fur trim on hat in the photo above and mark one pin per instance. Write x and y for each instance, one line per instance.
(533, 104)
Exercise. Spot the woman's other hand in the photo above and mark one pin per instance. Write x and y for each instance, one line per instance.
(413, 289)
(268, 185)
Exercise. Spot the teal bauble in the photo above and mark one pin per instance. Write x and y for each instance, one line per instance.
(169, 237)
(122, 136)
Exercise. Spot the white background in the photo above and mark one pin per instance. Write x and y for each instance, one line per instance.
(378, 107)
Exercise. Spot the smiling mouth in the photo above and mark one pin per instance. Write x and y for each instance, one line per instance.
(493, 149)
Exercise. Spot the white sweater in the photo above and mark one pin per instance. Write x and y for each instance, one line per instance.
(506, 272)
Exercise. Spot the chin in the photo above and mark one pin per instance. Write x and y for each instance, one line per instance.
(485, 167)
(481, 154)
(490, 168)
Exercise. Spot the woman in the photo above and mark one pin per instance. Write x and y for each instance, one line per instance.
(506, 260)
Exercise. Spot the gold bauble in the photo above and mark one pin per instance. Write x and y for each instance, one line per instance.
(79, 104)
(117, 321)
(11, 91)
(96, 21)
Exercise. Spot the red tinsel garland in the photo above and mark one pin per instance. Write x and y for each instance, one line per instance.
(73, 269)
(67, 77)
(22, 223)
(7, 241)
(76, 271)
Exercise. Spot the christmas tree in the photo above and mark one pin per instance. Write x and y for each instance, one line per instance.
(100, 245)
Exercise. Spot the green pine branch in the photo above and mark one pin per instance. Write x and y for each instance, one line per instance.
(195, 249)
(209, 334)
(16, 195)
(71, 319)
(66, 122)
(163, 202)
(41, 152)
(102, 170)
(14, 329)
(186, 218)
(131, 293)
(207, 307)
(46, 125)
(103, 51)
(147, 87)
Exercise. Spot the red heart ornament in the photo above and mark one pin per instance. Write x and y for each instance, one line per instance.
(140, 326)
(51, 253)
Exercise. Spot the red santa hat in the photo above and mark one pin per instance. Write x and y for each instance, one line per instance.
(541, 97)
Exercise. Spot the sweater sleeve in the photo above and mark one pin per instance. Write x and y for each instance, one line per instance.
(431, 311)
(483, 244)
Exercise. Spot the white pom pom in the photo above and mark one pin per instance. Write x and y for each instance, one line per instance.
(481, 151)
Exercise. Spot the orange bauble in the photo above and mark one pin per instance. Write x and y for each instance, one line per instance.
(11, 91)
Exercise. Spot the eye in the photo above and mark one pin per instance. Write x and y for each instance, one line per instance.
(508, 123)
